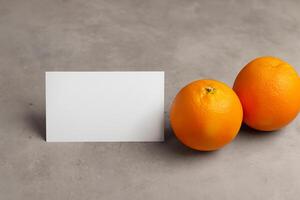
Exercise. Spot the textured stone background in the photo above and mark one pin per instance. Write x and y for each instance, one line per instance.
(188, 40)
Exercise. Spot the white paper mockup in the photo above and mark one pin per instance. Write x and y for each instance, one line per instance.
(105, 106)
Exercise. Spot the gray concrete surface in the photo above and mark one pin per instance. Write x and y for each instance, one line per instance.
(189, 40)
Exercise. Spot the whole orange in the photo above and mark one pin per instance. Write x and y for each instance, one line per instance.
(206, 115)
(269, 90)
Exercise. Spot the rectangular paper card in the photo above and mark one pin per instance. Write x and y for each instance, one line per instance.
(105, 106)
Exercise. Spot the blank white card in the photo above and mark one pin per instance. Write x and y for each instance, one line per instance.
(104, 106)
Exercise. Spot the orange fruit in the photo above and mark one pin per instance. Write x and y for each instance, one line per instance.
(269, 90)
(206, 115)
